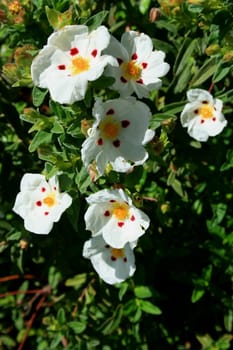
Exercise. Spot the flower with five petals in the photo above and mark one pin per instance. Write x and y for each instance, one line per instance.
(202, 115)
(71, 58)
(112, 214)
(118, 135)
(113, 265)
(40, 203)
(139, 67)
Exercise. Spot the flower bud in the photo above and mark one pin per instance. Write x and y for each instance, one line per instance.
(154, 14)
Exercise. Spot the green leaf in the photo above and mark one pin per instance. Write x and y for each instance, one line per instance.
(144, 6)
(77, 281)
(57, 19)
(56, 340)
(77, 327)
(185, 76)
(57, 128)
(221, 73)
(95, 21)
(197, 294)
(123, 290)
(205, 72)
(61, 316)
(205, 340)
(6, 340)
(228, 321)
(38, 96)
(143, 292)
(41, 137)
(184, 55)
(149, 308)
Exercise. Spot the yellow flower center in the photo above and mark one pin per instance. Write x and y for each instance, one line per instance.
(50, 200)
(110, 128)
(131, 70)
(117, 253)
(206, 111)
(120, 211)
(79, 65)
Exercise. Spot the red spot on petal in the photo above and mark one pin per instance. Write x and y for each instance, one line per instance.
(74, 51)
(125, 259)
(134, 56)
(214, 119)
(196, 111)
(61, 66)
(100, 142)
(132, 218)
(113, 258)
(107, 213)
(107, 246)
(144, 65)
(94, 53)
(46, 213)
(120, 223)
(55, 188)
(39, 203)
(125, 123)
(116, 143)
(112, 201)
(202, 121)
(123, 80)
(140, 81)
(110, 111)
(43, 189)
(119, 60)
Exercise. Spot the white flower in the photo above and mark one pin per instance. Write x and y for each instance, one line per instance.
(112, 215)
(40, 203)
(139, 67)
(118, 135)
(202, 115)
(113, 265)
(71, 58)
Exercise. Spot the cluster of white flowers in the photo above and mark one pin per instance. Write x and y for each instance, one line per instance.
(73, 57)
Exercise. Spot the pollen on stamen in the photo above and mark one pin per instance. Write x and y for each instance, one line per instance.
(144, 65)
(116, 143)
(134, 56)
(94, 53)
(123, 80)
(110, 111)
(74, 51)
(125, 123)
(61, 67)
(120, 224)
